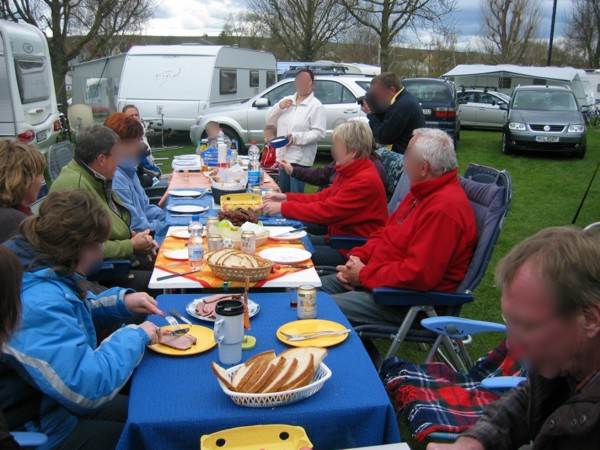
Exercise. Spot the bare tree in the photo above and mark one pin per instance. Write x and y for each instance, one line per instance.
(388, 18)
(359, 44)
(303, 27)
(77, 24)
(244, 29)
(509, 26)
(583, 31)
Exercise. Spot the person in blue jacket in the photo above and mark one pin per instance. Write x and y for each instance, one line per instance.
(126, 183)
(56, 348)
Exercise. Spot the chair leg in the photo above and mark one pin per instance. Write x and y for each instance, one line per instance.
(403, 330)
(453, 355)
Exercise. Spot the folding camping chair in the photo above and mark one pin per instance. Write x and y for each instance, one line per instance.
(59, 155)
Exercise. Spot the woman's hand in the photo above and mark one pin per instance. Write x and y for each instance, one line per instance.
(271, 208)
(140, 302)
(152, 331)
(285, 103)
(290, 139)
(143, 244)
(289, 169)
(276, 197)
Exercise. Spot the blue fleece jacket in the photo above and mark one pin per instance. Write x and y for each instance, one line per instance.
(57, 349)
(144, 215)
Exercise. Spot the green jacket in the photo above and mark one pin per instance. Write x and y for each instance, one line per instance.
(74, 176)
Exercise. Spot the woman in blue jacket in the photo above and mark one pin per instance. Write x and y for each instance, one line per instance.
(56, 349)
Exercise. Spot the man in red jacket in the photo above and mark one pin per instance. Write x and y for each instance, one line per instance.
(426, 244)
(354, 205)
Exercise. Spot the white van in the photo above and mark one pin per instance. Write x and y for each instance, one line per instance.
(184, 80)
(28, 109)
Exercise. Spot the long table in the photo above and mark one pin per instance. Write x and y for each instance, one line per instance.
(173, 401)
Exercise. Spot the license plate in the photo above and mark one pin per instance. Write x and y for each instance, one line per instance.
(546, 139)
(42, 135)
(427, 111)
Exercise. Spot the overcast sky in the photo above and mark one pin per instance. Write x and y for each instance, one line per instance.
(197, 17)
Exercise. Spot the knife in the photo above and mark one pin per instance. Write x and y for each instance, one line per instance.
(175, 275)
(180, 317)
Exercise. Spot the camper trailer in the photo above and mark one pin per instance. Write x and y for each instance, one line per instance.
(505, 77)
(181, 81)
(28, 109)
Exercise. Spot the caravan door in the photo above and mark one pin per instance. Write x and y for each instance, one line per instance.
(7, 117)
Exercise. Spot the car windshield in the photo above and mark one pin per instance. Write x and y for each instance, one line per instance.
(504, 97)
(364, 84)
(544, 101)
(427, 91)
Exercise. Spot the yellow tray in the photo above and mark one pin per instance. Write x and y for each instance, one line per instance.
(230, 202)
(257, 437)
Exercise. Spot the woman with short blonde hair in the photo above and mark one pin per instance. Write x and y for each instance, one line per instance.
(21, 178)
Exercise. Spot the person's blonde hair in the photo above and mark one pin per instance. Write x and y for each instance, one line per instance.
(270, 128)
(567, 258)
(356, 136)
(20, 165)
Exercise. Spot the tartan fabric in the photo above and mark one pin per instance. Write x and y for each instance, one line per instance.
(435, 398)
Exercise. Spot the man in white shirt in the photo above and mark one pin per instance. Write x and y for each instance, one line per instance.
(302, 118)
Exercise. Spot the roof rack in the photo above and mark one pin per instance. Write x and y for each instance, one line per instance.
(485, 88)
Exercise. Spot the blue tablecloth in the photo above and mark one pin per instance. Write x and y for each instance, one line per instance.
(174, 401)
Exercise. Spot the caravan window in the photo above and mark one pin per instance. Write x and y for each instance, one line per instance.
(228, 81)
(254, 78)
(32, 79)
(504, 82)
(270, 78)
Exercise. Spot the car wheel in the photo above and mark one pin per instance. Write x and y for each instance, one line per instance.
(231, 134)
(506, 148)
(580, 153)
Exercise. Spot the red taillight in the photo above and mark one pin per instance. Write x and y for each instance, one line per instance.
(57, 125)
(445, 112)
(26, 136)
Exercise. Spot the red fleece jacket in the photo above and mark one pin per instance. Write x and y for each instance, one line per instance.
(427, 243)
(354, 205)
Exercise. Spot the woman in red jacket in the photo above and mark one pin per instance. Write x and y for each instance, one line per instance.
(354, 205)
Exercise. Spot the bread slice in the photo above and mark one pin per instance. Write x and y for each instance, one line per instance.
(268, 374)
(305, 365)
(222, 375)
(257, 369)
(288, 368)
(304, 381)
(302, 353)
(213, 257)
(268, 356)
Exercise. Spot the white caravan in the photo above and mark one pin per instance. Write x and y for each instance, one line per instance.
(181, 81)
(28, 109)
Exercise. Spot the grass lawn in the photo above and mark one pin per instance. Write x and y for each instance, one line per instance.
(547, 190)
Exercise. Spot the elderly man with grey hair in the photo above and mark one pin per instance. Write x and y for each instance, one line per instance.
(425, 245)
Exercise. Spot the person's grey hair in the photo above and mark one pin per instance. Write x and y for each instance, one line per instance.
(356, 136)
(437, 148)
(567, 259)
(95, 141)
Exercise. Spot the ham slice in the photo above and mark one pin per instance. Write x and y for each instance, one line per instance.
(183, 342)
(206, 308)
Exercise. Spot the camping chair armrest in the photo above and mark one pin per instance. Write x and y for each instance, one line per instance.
(111, 269)
(402, 297)
(346, 242)
(501, 383)
(29, 438)
(458, 327)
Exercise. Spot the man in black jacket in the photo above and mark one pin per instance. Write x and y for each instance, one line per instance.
(393, 112)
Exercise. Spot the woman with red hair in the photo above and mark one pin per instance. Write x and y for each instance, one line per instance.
(126, 183)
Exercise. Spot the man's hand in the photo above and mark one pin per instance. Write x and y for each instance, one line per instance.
(143, 244)
(344, 282)
(350, 271)
(289, 169)
(286, 103)
(463, 443)
(365, 107)
(140, 302)
(271, 208)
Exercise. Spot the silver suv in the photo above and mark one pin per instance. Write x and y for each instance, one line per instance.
(245, 121)
(544, 118)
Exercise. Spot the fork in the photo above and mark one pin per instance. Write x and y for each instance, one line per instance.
(313, 334)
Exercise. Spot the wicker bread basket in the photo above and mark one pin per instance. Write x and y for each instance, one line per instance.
(238, 272)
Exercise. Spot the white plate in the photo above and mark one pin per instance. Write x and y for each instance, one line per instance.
(184, 163)
(253, 309)
(293, 237)
(180, 254)
(184, 157)
(187, 209)
(185, 193)
(285, 255)
(181, 233)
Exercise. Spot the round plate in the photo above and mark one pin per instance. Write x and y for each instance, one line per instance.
(181, 233)
(284, 255)
(205, 340)
(253, 309)
(293, 237)
(308, 325)
(185, 157)
(180, 254)
(184, 162)
(188, 209)
(185, 193)
(280, 141)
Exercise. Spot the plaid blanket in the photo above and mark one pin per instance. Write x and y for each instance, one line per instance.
(435, 398)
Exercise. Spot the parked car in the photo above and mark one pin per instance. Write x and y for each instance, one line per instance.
(545, 118)
(245, 121)
(480, 108)
(438, 100)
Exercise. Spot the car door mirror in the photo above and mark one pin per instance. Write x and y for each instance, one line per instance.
(494, 103)
(504, 106)
(261, 102)
(462, 101)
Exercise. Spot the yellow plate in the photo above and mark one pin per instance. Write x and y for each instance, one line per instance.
(205, 340)
(257, 436)
(308, 325)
